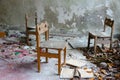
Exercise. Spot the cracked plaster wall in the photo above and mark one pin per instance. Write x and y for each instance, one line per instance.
(63, 16)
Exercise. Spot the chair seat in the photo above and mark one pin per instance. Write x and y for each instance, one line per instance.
(53, 44)
(50, 51)
(100, 34)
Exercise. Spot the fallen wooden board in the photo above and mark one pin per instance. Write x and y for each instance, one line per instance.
(66, 73)
(75, 62)
(77, 44)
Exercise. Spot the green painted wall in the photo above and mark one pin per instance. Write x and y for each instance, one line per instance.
(63, 16)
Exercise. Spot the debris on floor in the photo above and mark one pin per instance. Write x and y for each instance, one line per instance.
(12, 49)
(107, 60)
(75, 62)
(80, 73)
(18, 58)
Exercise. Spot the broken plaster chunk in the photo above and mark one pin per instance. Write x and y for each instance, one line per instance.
(26, 47)
(89, 70)
(103, 65)
(67, 73)
(103, 71)
(110, 65)
(97, 74)
(85, 74)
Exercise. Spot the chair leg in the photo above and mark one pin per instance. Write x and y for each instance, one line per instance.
(46, 57)
(95, 39)
(88, 41)
(111, 44)
(38, 60)
(27, 36)
(64, 56)
(59, 61)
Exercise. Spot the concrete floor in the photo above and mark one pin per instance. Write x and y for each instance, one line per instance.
(25, 68)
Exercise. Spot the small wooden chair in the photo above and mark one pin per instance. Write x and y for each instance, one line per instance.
(47, 45)
(100, 35)
(2, 34)
(30, 30)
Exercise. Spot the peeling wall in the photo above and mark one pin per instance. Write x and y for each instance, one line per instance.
(12, 13)
(63, 16)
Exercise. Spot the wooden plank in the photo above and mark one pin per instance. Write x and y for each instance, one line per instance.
(75, 63)
(2, 34)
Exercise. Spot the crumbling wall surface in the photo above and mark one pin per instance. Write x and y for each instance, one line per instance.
(12, 13)
(63, 16)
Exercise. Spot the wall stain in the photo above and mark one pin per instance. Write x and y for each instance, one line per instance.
(75, 14)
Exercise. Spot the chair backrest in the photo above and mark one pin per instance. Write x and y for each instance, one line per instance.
(28, 18)
(109, 23)
(42, 28)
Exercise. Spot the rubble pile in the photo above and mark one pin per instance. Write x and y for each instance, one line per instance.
(107, 60)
